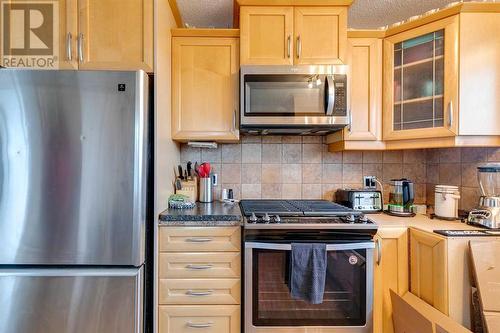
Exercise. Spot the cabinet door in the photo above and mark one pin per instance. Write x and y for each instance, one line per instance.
(63, 25)
(320, 35)
(421, 82)
(391, 273)
(266, 35)
(429, 268)
(365, 63)
(116, 34)
(205, 88)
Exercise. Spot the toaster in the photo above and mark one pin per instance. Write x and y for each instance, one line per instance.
(367, 201)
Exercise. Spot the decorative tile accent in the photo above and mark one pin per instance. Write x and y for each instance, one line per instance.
(311, 152)
(271, 153)
(295, 167)
(292, 153)
(231, 153)
(251, 153)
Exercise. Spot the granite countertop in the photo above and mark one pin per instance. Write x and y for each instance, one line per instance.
(204, 214)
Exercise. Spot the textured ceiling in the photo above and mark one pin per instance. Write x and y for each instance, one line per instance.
(363, 14)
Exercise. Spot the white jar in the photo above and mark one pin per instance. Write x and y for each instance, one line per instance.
(446, 201)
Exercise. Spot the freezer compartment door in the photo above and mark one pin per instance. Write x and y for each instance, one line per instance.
(71, 300)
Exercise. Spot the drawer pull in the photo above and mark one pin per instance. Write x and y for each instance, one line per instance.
(199, 293)
(191, 266)
(199, 240)
(199, 325)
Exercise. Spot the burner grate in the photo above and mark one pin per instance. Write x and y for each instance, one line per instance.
(293, 207)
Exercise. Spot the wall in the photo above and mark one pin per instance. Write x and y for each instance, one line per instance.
(301, 167)
(457, 166)
(167, 152)
(296, 167)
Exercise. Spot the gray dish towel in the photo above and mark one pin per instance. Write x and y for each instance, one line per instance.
(308, 272)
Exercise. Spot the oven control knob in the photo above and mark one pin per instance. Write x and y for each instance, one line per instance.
(252, 218)
(363, 219)
(277, 219)
(351, 218)
(266, 218)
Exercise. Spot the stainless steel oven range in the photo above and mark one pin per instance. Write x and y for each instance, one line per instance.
(270, 227)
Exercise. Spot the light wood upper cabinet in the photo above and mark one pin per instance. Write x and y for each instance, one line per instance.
(365, 60)
(391, 273)
(205, 88)
(272, 35)
(266, 35)
(105, 35)
(320, 35)
(421, 81)
(429, 268)
(116, 34)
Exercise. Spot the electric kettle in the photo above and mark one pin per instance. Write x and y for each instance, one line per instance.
(401, 198)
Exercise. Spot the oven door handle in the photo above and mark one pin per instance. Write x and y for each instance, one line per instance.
(329, 247)
(329, 94)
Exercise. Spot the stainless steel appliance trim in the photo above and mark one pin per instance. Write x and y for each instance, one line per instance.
(325, 226)
(329, 247)
(294, 120)
(68, 272)
(69, 51)
(330, 93)
(287, 69)
(140, 159)
(248, 325)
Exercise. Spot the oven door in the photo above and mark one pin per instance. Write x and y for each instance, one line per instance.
(348, 297)
(293, 96)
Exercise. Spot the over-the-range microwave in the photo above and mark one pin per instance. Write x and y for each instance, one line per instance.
(306, 100)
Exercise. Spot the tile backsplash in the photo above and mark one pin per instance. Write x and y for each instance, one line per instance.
(274, 167)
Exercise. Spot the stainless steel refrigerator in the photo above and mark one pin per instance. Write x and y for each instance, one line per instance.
(74, 161)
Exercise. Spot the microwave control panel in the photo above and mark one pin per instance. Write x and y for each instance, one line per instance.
(340, 105)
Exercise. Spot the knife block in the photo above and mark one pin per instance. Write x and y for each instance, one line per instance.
(189, 189)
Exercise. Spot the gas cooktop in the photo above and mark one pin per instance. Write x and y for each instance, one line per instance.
(294, 214)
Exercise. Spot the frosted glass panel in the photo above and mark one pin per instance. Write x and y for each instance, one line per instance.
(418, 82)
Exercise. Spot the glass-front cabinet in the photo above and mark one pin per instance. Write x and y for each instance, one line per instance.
(421, 82)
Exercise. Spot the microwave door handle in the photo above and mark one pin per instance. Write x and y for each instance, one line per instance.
(329, 94)
(329, 247)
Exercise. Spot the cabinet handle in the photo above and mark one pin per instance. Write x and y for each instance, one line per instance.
(379, 252)
(199, 240)
(199, 325)
(191, 266)
(299, 47)
(289, 46)
(80, 47)
(450, 114)
(234, 120)
(349, 127)
(69, 51)
(199, 293)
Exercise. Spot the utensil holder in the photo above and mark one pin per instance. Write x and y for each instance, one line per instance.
(206, 190)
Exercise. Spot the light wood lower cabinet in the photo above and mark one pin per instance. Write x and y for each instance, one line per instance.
(199, 279)
(391, 273)
(429, 268)
(206, 319)
(200, 265)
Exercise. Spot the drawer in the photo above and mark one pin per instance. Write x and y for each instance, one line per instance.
(199, 265)
(196, 291)
(195, 239)
(199, 318)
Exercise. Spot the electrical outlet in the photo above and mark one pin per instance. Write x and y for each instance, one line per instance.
(369, 182)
